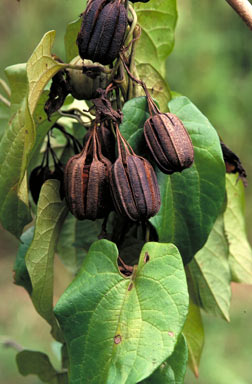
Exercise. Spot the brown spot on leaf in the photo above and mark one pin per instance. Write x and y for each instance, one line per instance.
(117, 339)
(130, 286)
(146, 257)
(171, 334)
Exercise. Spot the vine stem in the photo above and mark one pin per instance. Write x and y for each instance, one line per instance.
(244, 9)
(5, 101)
(80, 67)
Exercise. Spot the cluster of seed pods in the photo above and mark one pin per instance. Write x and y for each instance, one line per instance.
(95, 181)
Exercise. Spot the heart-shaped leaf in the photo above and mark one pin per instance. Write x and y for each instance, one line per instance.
(118, 329)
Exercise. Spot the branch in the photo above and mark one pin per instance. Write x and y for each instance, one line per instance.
(244, 10)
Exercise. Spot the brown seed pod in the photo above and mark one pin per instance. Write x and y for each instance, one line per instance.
(102, 31)
(86, 181)
(169, 142)
(133, 184)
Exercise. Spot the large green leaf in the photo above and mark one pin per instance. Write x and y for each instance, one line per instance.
(157, 38)
(38, 363)
(156, 85)
(210, 273)
(21, 275)
(192, 199)
(194, 334)
(240, 254)
(119, 330)
(39, 259)
(26, 83)
(173, 370)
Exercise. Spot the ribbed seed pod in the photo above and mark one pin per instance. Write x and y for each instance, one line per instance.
(86, 182)
(169, 142)
(89, 19)
(102, 31)
(134, 186)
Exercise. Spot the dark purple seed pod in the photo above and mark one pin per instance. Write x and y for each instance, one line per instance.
(102, 31)
(107, 141)
(134, 186)
(86, 182)
(89, 18)
(37, 178)
(169, 142)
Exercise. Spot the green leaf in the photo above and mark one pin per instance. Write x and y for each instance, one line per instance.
(51, 212)
(194, 334)
(26, 83)
(124, 328)
(21, 275)
(192, 199)
(173, 369)
(210, 273)
(75, 239)
(157, 38)
(240, 254)
(156, 85)
(135, 113)
(71, 34)
(36, 363)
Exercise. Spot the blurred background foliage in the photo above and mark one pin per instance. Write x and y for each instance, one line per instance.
(211, 64)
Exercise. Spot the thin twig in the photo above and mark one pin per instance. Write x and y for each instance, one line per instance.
(86, 68)
(4, 100)
(12, 344)
(5, 87)
(244, 10)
